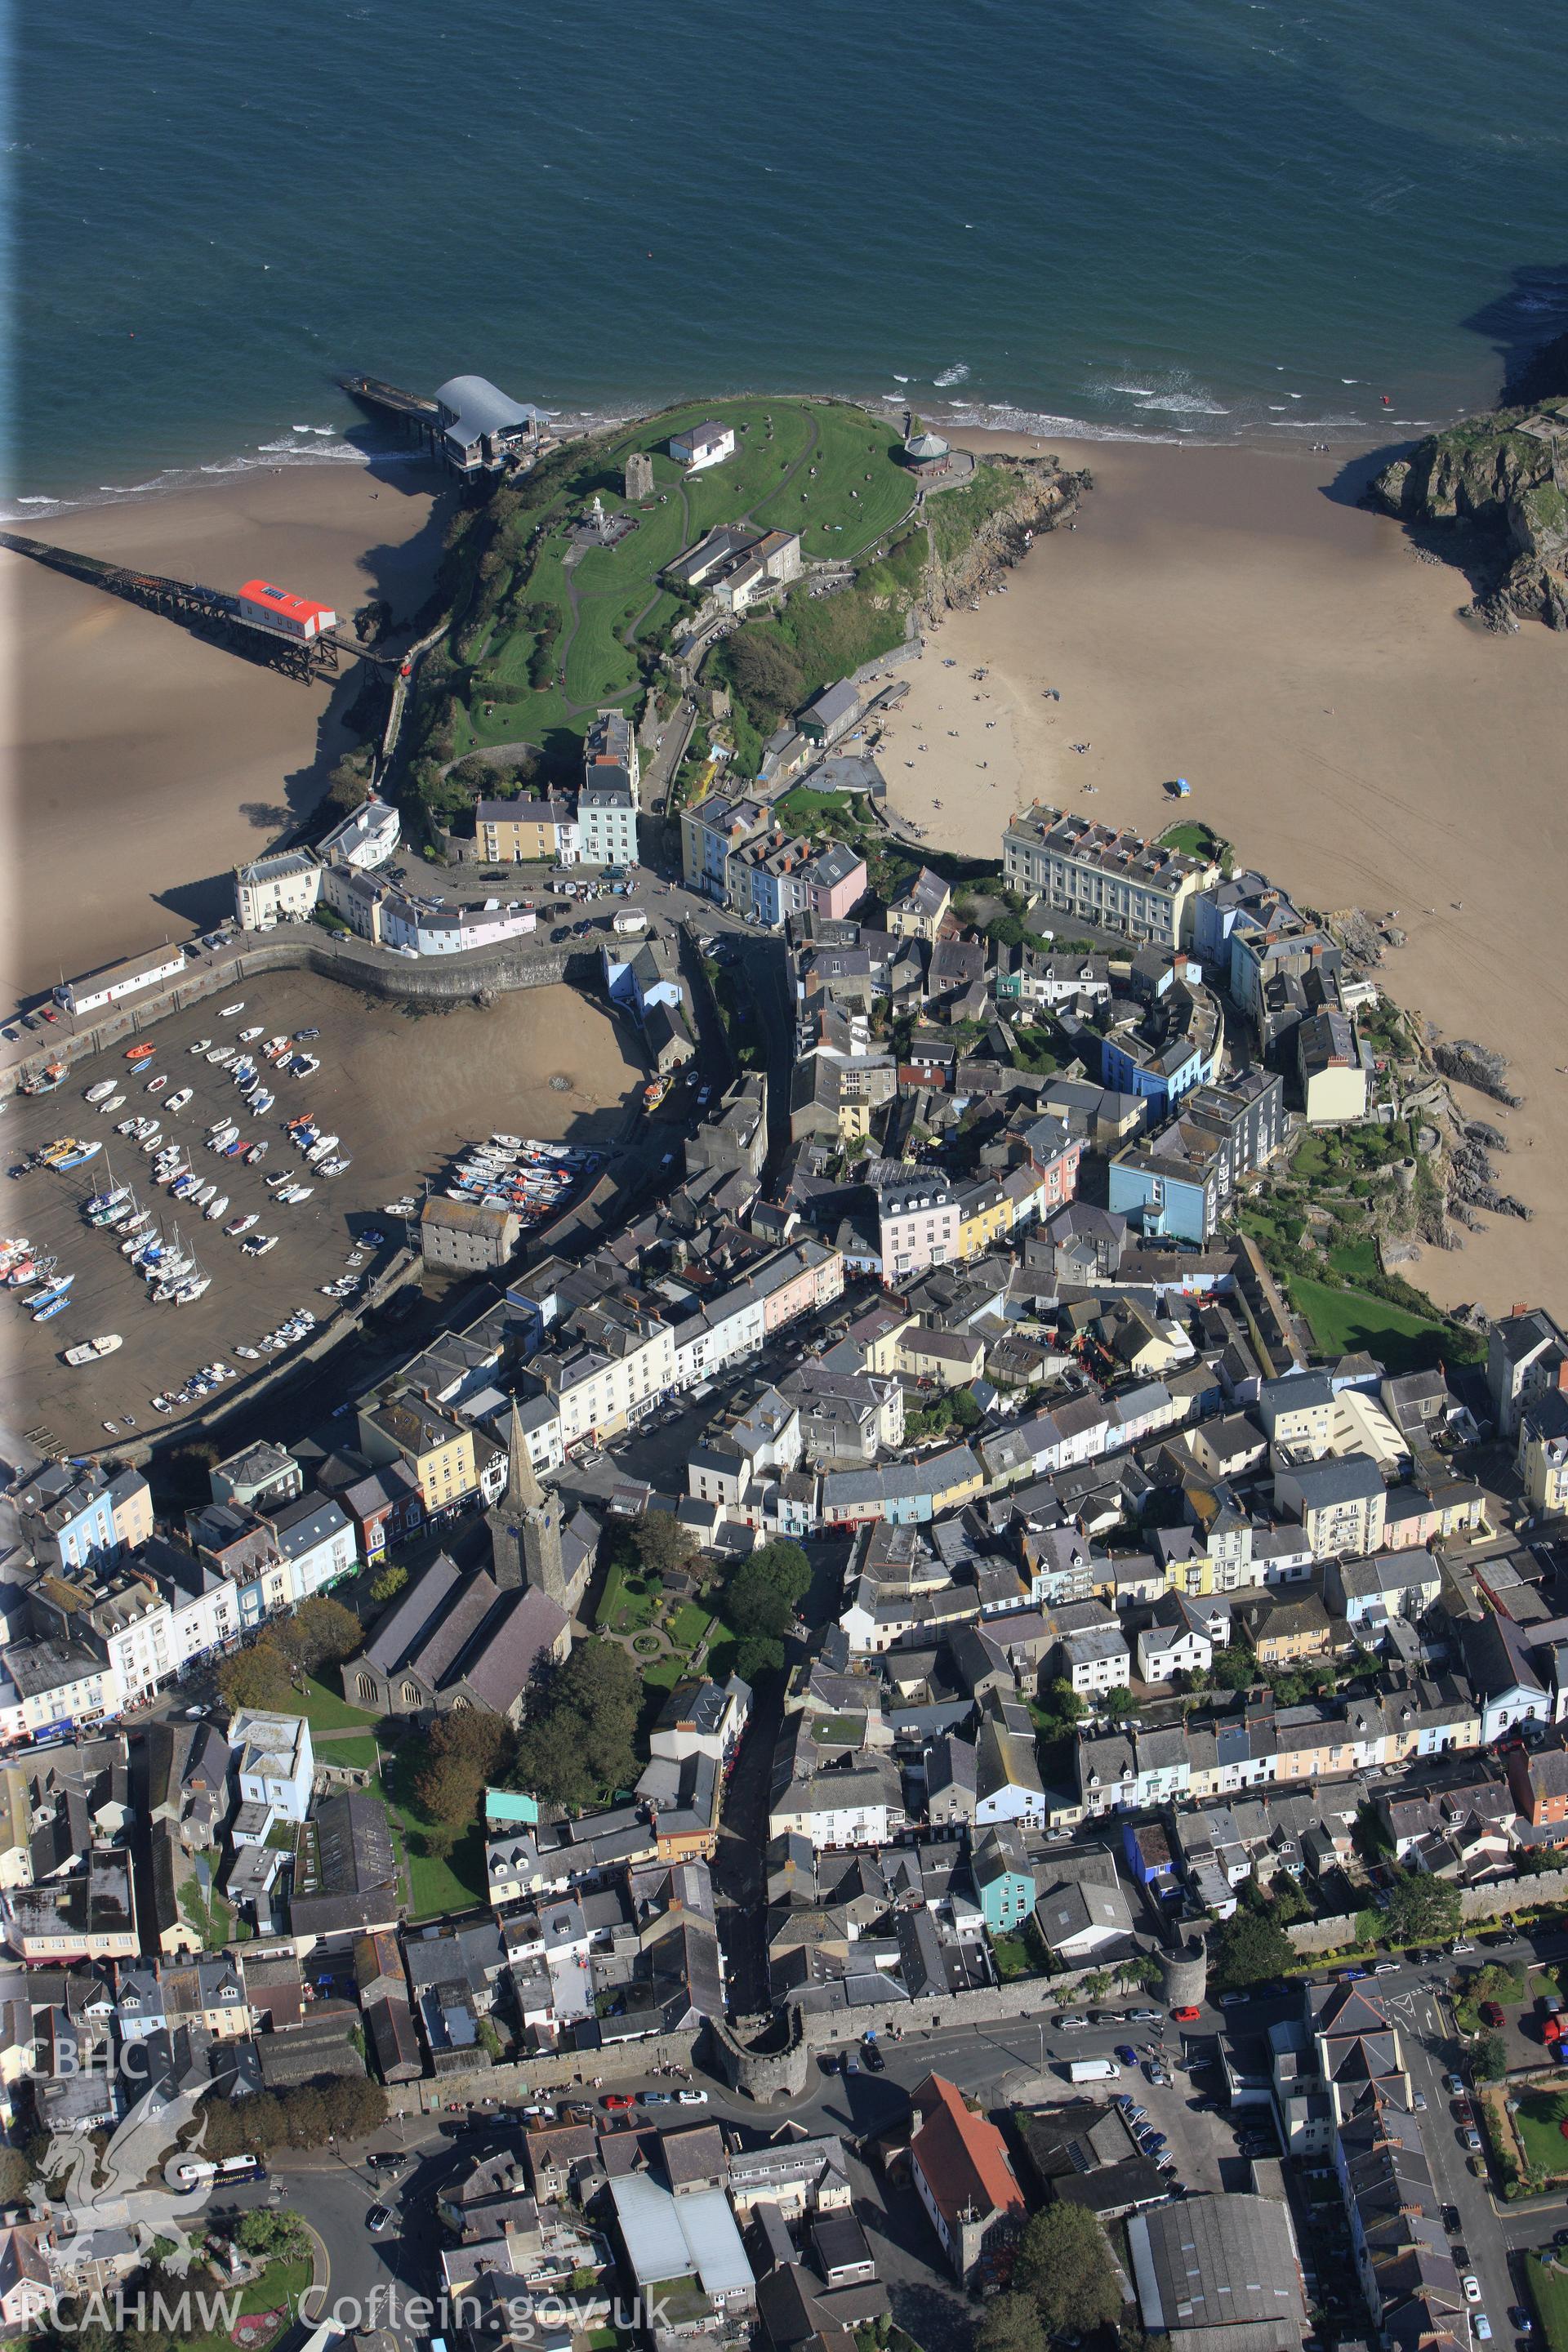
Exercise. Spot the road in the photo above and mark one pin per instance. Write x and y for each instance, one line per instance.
(999, 2066)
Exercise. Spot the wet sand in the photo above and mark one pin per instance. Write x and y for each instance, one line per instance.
(1216, 616)
(403, 1095)
(139, 764)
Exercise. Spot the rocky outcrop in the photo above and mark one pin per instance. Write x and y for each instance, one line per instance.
(1045, 495)
(1505, 476)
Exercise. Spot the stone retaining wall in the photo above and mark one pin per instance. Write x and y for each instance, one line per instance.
(306, 947)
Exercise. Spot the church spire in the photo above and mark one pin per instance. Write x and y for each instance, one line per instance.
(522, 1488)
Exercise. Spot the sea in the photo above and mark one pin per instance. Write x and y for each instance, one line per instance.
(1204, 220)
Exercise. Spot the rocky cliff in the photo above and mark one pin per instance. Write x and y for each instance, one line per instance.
(1505, 476)
(1044, 494)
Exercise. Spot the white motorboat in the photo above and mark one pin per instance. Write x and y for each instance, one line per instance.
(99, 1093)
(241, 1225)
(202, 1195)
(178, 1102)
(259, 1245)
(215, 1208)
(201, 1045)
(107, 1110)
(91, 1350)
(248, 1037)
(227, 1011)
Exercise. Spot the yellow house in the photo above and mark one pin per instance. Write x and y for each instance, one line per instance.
(920, 909)
(985, 1214)
(439, 1452)
(515, 832)
(956, 1477)
(952, 1359)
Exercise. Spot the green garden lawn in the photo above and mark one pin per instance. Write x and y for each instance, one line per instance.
(622, 1609)
(277, 2288)
(1549, 2294)
(454, 1882)
(328, 1712)
(1537, 2119)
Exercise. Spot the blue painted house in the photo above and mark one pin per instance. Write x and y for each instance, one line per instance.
(1004, 1880)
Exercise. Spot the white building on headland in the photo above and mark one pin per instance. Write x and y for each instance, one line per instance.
(702, 445)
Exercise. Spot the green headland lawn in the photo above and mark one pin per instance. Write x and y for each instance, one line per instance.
(1346, 1321)
(857, 492)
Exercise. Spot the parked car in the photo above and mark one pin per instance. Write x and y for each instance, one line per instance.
(1491, 2013)
(1483, 2327)
(1187, 2015)
(1453, 2084)
(1232, 1999)
(692, 2099)
(1471, 2137)
(1520, 2319)
(617, 2099)
(874, 2062)
(376, 2220)
(1128, 2056)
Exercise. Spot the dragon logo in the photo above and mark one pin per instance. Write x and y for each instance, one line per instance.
(136, 2185)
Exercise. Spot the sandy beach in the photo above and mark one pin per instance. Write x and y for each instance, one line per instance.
(142, 765)
(1217, 615)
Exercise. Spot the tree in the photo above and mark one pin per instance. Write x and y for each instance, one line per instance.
(756, 1657)
(1422, 1910)
(264, 2232)
(786, 1566)
(389, 1584)
(1012, 2324)
(582, 1733)
(753, 1604)
(662, 1543)
(15, 2173)
(1286, 1901)
(764, 674)
(1489, 2059)
(1066, 1704)
(464, 1752)
(1119, 1704)
(348, 789)
(256, 1677)
(1064, 2267)
(1235, 1667)
(1252, 1948)
(319, 1633)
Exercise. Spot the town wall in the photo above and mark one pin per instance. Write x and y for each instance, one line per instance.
(1478, 1906)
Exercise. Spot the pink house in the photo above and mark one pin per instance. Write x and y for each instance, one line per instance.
(836, 880)
(805, 1275)
(919, 1221)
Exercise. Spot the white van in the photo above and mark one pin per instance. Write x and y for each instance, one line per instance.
(1094, 2070)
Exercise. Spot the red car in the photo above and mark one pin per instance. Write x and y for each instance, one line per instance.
(1188, 2016)
(617, 2099)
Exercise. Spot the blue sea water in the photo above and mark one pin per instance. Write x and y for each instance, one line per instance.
(1217, 219)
